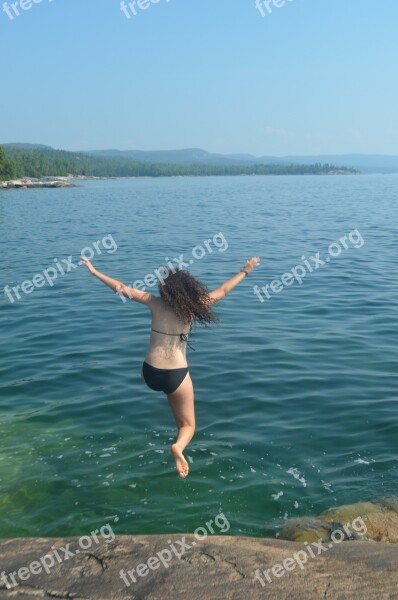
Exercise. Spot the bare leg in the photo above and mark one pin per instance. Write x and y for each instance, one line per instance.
(182, 405)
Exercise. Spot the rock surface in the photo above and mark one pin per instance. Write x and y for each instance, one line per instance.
(380, 520)
(217, 568)
(46, 182)
(27, 183)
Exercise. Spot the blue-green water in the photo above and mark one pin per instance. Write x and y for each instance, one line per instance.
(297, 394)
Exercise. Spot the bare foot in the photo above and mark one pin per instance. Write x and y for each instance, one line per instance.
(181, 463)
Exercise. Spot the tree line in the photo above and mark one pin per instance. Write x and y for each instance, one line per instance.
(17, 162)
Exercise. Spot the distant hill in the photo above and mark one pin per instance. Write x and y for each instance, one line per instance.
(28, 146)
(178, 157)
(22, 160)
(366, 163)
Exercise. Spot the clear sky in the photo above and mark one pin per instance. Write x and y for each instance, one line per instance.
(310, 77)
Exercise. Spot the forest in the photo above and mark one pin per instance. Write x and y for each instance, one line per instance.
(18, 162)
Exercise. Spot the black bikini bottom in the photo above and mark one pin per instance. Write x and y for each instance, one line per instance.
(163, 380)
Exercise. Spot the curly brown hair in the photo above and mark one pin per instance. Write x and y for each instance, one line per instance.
(187, 297)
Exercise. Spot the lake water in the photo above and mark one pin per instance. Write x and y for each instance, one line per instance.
(296, 396)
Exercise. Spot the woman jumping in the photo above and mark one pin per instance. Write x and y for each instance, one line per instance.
(183, 300)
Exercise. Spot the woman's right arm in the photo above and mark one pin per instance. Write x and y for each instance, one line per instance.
(227, 286)
(118, 287)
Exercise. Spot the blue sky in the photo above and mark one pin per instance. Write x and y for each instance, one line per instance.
(311, 77)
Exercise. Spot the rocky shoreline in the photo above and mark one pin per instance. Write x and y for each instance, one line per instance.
(318, 564)
(216, 568)
(374, 521)
(25, 183)
(30, 182)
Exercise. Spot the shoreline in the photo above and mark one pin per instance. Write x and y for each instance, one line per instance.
(60, 181)
(318, 557)
(65, 181)
(227, 567)
(26, 183)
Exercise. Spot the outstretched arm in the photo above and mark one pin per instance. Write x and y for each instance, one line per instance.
(229, 285)
(117, 286)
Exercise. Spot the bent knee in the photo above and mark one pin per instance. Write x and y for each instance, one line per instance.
(187, 423)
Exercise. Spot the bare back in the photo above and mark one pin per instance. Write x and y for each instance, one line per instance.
(166, 351)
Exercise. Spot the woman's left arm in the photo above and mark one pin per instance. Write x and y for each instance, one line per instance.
(117, 286)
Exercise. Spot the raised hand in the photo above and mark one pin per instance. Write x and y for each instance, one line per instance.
(252, 263)
(88, 264)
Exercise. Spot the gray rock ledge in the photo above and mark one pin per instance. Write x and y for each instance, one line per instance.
(28, 183)
(217, 568)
